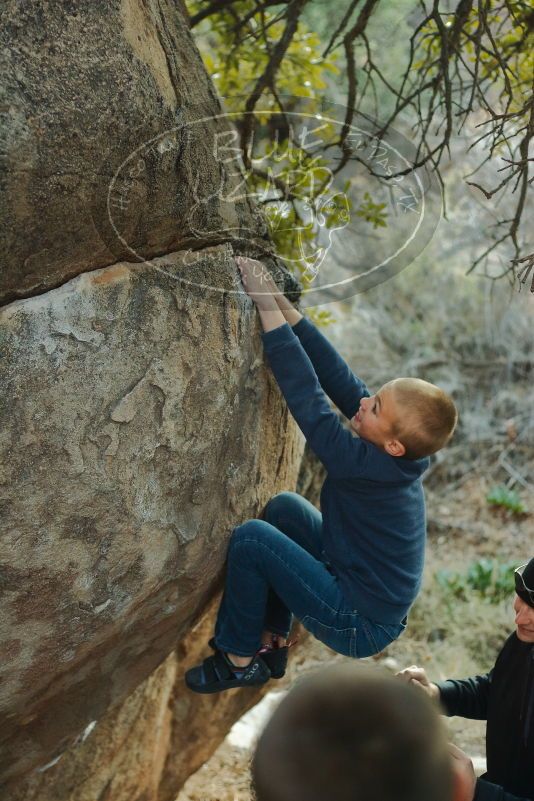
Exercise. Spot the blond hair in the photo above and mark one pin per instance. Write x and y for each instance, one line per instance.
(430, 416)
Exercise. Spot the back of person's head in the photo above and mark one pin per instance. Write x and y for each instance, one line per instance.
(428, 416)
(352, 733)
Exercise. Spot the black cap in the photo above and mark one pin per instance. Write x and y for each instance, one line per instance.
(524, 584)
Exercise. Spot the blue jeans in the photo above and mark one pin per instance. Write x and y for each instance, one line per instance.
(276, 567)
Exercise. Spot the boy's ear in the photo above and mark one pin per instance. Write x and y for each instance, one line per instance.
(394, 447)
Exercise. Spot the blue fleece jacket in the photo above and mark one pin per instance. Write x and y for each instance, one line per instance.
(372, 503)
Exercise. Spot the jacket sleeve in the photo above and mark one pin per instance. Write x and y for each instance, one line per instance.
(486, 791)
(342, 454)
(466, 697)
(335, 376)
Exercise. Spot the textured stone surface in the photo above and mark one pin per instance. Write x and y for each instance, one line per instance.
(139, 426)
(121, 756)
(83, 87)
(144, 748)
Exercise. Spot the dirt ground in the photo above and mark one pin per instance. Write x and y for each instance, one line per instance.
(462, 528)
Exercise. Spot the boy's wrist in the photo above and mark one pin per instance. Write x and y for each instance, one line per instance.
(266, 303)
(291, 314)
(288, 310)
(271, 316)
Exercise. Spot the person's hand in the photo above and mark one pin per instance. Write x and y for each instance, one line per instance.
(257, 280)
(416, 675)
(465, 779)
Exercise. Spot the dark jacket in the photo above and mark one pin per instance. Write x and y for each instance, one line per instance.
(372, 503)
(505, 698)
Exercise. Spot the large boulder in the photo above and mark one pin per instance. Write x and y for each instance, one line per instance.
(139, 427)
(109, 141)
(143, 748)
(138, 423)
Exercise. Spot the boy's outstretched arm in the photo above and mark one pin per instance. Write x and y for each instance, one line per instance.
(335, 376)
(253, 280)
(342, 454)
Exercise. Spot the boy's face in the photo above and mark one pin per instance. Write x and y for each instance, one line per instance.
(376, 418)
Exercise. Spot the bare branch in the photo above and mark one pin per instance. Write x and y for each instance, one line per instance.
(341, 27)
(523, 274)
(458, 62)
(294, 11)
(220, 5)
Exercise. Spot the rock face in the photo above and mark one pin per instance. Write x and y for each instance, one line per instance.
(144, 748)
(138, 424)
(138, 429)
(102, 155)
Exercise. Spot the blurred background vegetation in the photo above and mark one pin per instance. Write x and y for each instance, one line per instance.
(459, 314)
(454, 78)
(454, 315)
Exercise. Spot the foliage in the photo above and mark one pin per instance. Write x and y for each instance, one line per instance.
(462, 618)
(453, 636)
(372, 212)
(486, 578)
(465, 64)
(238, 54)
(511, 27)
(288, 182)
(504, 498)
(291, 184)
(482, 59)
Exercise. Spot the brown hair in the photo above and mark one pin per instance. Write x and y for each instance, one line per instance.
(353, 733)
(430, 420)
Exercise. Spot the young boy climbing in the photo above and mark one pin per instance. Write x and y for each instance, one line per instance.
(351, 572)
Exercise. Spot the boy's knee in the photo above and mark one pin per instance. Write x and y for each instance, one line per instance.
(250, 529)
(279, 502)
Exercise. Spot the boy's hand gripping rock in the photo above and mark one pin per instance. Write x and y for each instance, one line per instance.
(257, 280)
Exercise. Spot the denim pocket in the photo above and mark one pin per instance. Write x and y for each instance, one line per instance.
(343, 641)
